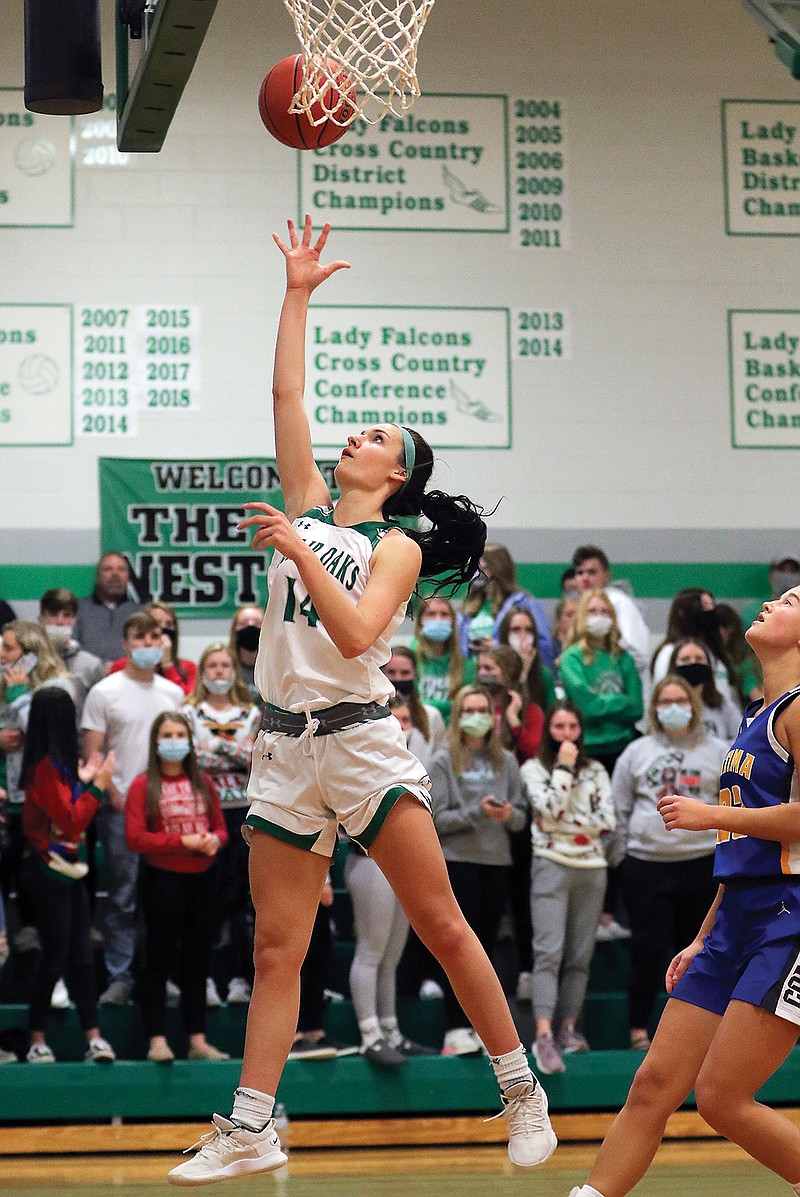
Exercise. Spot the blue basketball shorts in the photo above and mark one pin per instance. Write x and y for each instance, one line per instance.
(752, 953)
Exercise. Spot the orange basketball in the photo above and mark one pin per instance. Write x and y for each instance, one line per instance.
(294, 128)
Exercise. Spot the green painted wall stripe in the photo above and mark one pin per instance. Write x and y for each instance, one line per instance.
(650, 579)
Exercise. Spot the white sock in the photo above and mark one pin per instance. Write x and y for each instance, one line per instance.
(587, 1191)
(370, 1030)
(512, 1069)
(391, 1031)
(252, 1109)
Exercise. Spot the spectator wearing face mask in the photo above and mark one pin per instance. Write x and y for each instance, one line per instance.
(601, 678)
(693, 616)
(224, 723)
(173, 667)
(593, 572)
(58, 613)
(720, 716)
(442, 670)
(173, 818)
(519, 722)
(244, 638)
(519, 725)
(491, 596)
(117, 717)
(666, 876)
(427, 733)
(518, 630)
(477, 799)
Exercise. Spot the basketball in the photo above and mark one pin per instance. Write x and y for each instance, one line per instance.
(295, 129)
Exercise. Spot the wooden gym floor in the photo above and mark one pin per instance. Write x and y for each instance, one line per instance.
(695, 1169)
(418, 1158)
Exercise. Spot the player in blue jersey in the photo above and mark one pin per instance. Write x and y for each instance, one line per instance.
(330, 752)
(734, 1012)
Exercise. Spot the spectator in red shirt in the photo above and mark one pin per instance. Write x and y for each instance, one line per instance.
(519, 723)
(61, 799)
(174, 819)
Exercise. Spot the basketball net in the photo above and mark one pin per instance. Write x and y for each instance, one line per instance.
(369, 45)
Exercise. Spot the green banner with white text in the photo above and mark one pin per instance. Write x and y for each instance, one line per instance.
(176, 522)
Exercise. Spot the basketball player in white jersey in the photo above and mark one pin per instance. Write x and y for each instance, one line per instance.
(331, 753)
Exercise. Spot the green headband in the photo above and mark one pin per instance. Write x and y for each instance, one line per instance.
(409, 455)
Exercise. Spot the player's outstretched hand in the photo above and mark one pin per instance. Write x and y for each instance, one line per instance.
(273, 530)
(304, 271)
(685, 814)
(680, 963)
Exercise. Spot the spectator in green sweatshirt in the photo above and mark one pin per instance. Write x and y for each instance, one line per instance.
(601, 679)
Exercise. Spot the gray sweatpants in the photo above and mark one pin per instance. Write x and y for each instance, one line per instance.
(566, 904)
(381, 932)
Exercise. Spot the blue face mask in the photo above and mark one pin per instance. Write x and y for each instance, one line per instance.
(437, 630)
(173, 750)
(146, 658)
(674, 716)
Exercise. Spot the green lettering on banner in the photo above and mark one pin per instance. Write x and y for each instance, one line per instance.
(176, 522)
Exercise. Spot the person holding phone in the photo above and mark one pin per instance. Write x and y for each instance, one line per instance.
(477, 801)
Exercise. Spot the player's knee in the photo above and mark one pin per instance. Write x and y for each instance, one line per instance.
(274, 955)
(445, 936)
(715, 1104)
(654, 1087)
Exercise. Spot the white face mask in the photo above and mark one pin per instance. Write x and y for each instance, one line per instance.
(599, 625)
(520, 640)
(59, 634)
(218, 685)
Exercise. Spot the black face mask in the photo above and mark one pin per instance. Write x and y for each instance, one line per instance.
(696, 675)
(489, 683)
(247, 638)
(404, 685)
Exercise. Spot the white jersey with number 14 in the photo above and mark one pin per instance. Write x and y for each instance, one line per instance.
(298, 663)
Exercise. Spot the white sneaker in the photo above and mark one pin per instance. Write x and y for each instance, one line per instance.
(230, 1151)
(212, 994)
(462, 1041)
(60, 997)
(99, 1051)
(40, 1053)
(239, 992)
(608, 932)
(531, 1138)
(430, 989)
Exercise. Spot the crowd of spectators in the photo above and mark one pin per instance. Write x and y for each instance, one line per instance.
(548, 747)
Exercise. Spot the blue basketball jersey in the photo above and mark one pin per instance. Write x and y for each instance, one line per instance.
(757, 772)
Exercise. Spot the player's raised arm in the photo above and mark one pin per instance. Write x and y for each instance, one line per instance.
(302, 483)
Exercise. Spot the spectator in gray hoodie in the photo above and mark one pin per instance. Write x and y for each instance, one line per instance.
(477, 799)
(666, 876)
(58, 612)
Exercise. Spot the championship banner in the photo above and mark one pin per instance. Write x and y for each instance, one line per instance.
(176, 523)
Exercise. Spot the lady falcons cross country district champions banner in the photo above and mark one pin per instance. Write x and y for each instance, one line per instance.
(176, 522)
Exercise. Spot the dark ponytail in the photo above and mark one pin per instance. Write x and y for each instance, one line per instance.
(453, 544)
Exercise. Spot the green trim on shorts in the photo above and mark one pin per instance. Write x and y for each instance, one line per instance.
(367, 837)
(277, 832)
